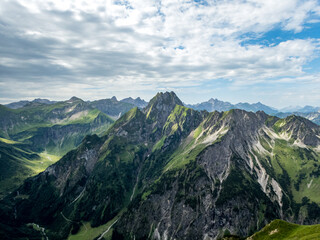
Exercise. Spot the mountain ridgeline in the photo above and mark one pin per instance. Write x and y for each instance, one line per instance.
(115, 108)
(170, 172)
(46, 130)
(217, 105)
(36, 135)
(309, 112)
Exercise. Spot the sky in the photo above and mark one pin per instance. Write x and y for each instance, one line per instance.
(233, 50)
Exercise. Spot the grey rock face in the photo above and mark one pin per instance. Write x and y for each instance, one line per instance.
(204, 209)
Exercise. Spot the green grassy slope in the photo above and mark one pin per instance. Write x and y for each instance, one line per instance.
(87, 232)
(30, 118)
(37, 135)
(295, 165)
(17, 163)
(281, 230)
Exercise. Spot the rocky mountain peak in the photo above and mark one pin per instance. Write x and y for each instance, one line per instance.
(300, 129)
(295, 121)
(164, 99)
(44, 101)
(140, 103)
(160, 107)
(217, 101)
(212, 100)
(75, 99)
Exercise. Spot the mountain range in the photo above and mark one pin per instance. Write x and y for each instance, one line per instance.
(115, 108)
(35, 134)
(20, 104)
(217, 105)
(309, 112)
(38, 134)
(305, 109)
(167, 171)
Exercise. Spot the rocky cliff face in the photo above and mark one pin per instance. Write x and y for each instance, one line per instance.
(217, 190)
(170, 172)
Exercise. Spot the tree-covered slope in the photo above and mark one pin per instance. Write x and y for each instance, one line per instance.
(168, 171)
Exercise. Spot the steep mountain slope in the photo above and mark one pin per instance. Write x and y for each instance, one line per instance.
(17, 163)
(45, 132)
(168, 171)
(56, 128)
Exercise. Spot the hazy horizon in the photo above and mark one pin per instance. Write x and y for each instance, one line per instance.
(147, 100)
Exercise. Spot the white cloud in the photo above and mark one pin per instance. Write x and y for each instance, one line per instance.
(151, 44)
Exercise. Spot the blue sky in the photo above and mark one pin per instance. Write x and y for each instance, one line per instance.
(236, 51)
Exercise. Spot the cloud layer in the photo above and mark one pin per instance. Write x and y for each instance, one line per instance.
(97, 49)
